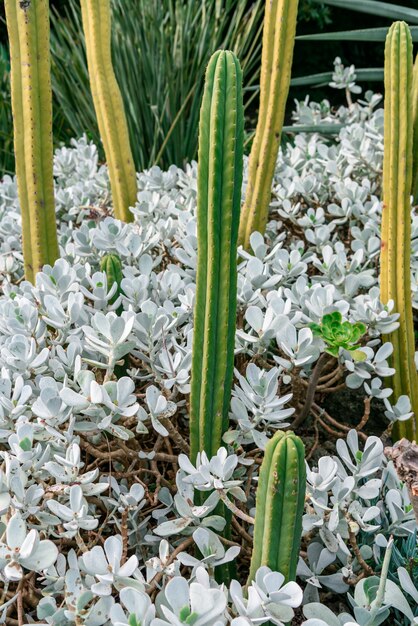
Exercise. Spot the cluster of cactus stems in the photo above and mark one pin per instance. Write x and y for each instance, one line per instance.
(415, 122)
(218, 208)
(108, 103)
(28, 29)
(395, 258)
(276, 64)
(279, 506)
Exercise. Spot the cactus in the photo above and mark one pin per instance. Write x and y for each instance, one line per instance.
(28, 29)
(111, 119)
(415, 122)
(276, 64)
(395, 257)
(279, 506)
(218, 207)
(112, 266)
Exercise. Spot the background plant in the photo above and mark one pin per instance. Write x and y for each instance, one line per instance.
(160, 53)
(6, 121)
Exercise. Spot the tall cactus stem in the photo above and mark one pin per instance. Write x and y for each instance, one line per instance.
(279, 506)
(276, 64)
(395, 257)
(218, 209)
(108, 103)
(28, 30)
(415, 123)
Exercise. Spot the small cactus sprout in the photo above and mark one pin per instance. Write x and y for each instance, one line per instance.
(111, 265)
(279, 506)
(218, 208)
(395, 257)
(276, 64)
(109, 107)
(28, 29)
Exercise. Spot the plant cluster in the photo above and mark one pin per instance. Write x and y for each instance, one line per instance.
(110, 521)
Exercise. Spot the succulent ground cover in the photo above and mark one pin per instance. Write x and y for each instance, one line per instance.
(108, 520)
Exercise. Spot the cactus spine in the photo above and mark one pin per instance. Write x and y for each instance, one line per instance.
(28, 29)
(108, 103)
(395, 257)
(218, 208)
(276, 64)
(415, 122)
(279, 506)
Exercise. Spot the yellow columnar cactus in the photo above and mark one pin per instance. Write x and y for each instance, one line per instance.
(395, 258)
(108, 103)
(415, 121)
(28, 30)
(276, 64)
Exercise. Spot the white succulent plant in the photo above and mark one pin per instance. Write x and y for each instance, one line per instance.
(92, 392)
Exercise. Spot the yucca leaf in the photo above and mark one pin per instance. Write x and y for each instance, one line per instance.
(373, 7)
(364, 34)
(324, 78)
(323, 129)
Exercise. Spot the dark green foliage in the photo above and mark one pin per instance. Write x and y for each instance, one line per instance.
(6, 121)
(160, 52)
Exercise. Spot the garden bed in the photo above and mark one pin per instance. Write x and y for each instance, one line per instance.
(94, 398)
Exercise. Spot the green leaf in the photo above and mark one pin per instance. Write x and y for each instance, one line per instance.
(364, 34)
(373, 7)
(324, 78)
(25, 444)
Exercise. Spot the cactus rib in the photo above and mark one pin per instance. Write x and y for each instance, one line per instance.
(28, 29)
(219, 194)
(279, 506)
(395, 258)
(108, 105)
(276, 64)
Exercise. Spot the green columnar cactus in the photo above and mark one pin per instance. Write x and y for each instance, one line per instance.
(276, 64)
(112, 266)
(279, 506)
(218, 208)
(395, 257)
(415, 122)
(28, 29)
(109, 107)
